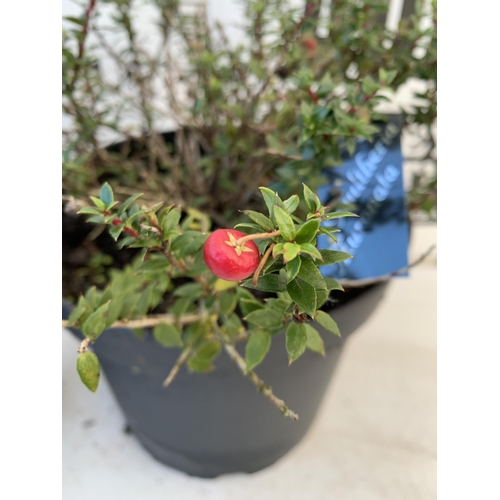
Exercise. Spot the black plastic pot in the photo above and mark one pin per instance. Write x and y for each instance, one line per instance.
(217, 423)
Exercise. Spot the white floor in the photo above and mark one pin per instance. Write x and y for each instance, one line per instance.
(375, 436)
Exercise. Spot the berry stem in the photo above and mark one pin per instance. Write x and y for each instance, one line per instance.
(241, 241)
(261, 264)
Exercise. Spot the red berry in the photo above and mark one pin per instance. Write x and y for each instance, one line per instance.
(310, 43)
(226, 259)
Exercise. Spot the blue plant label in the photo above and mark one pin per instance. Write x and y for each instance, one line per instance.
(372, 180)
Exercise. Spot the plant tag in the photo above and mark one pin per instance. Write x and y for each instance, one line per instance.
(372, 180)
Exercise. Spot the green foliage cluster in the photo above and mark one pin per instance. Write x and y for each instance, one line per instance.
(272, 111)
(207, 311)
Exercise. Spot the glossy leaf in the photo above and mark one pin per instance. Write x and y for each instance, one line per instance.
(307, 233)
(311, 250)
(303, 294)
(312, 201)
(290, 251)
(291, 203)
(285, 223)
(265, 318)
(310, 273)
(332, 257)
(256, 349)
(89, 369)
(167, 335)
(292, 269)
(314, 341)
(327, 322)
(96, 322)
(106, 194)
(266, 283)
(263, 221)
(296, 340)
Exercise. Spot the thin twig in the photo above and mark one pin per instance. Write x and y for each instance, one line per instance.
(84, 345)
(385, 277)
(261, 264)
(153, 320)
(175, 369)
(259, 383)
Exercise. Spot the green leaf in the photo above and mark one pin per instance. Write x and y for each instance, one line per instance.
(156, 264)
(98, 203)
(331, 257)
(329, 232)
(311, 250)
(296, 340)
(88, 367)
(76, 20)
(278, 250)
(114, 310)
(233, 326)
(209, 350)
(332, 284)
(303, 294)
(75, 315)
(314, 341)
(350, 143)
(144, 302)
(265, 318)
(322, 297)
(271, 198)
(285, 223)
(311, 199)
(188, 243)
(327, 322)
(199, 365)
(307, 232)
(263, 221)
(292, 269)
(291, 203)
(171, 221)
(181, 306)
(266, 283)
(337, 215)
(188, 290)
(249, 225)
(89, 210)
(228, 303)
(256, 349)
(290, 251)
(247, 306)
(167, 335)
(310, 273)
(222, 285)
(115, 231)
(106, 194)
(96, 322)
(124, 206)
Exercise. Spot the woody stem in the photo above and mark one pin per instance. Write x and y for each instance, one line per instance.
(241, 241)
(262, 263)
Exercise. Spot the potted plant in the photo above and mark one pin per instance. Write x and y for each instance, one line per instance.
(194, 251)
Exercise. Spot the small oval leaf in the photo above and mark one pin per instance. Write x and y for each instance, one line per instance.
(257, 347)
(296, 340)
(88, 367)
(167, 335)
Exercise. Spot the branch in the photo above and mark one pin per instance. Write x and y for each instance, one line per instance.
(258, 382)
(153, 320)
(385, 277)
(175, 369)
(84, 345)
